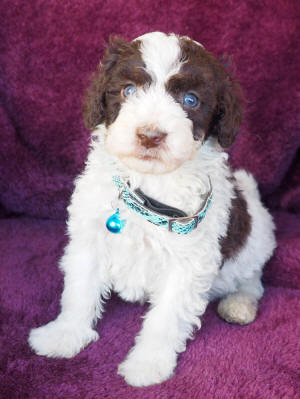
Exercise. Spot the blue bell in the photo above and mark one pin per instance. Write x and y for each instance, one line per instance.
(114, 224)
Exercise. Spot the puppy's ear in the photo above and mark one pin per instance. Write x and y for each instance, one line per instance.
(94, 106)
(94, 101)
(228, 114)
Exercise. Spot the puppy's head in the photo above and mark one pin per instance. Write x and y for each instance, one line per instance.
(160, 97)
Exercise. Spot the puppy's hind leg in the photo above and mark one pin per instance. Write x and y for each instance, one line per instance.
(80, 305)
(241, 306)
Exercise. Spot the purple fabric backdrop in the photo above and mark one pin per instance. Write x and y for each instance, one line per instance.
(47, 53)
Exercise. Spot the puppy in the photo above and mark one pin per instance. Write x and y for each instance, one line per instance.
(158, 215)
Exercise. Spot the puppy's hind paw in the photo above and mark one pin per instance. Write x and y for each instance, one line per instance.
(238, 308)
(60, 339)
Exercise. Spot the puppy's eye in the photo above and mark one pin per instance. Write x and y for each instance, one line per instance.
(128, 90)
(190, 100)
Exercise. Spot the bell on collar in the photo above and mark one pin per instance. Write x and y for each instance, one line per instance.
(114, 224)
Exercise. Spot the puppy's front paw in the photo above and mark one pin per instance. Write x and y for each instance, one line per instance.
(60, 339)
(143, 368)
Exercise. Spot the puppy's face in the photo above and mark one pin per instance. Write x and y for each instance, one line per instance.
(160, 97)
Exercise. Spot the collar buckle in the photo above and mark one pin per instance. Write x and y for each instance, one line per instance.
(184, 219)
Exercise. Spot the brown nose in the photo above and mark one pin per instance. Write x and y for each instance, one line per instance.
(150, 138)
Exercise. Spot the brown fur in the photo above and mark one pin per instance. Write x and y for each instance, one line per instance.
(239, 227)
(219, 111)
(122, 64)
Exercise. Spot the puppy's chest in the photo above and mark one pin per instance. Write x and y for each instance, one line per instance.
(143, 253)
(142, 257)
(137, 258)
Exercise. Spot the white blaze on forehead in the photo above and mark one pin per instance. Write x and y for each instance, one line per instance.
(161, 54)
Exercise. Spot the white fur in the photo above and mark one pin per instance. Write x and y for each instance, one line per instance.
(161, 55)
(165, 115)
(177, 274)
(156, 108)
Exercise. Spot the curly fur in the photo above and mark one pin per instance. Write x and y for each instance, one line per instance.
(178, 275)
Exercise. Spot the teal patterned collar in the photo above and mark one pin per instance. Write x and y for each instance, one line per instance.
(179, 225)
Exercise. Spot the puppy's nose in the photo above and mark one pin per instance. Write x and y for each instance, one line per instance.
(150, 138)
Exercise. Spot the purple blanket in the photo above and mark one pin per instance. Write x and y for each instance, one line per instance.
(48, 50)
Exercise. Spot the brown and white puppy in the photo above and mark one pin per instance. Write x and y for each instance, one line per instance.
(162, 110)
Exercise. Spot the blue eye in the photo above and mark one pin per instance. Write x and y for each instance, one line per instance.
(190, 100)
(129, 90)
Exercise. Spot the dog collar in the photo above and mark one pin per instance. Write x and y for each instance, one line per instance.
(139, 203)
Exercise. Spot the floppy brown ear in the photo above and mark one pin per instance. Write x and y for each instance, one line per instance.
(94, 101)
(228, 115)
(94, 106)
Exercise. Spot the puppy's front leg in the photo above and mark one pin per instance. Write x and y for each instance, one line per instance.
(80, 304)
(165, 330)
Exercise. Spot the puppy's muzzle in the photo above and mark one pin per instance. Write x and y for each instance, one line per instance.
(149, 137)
